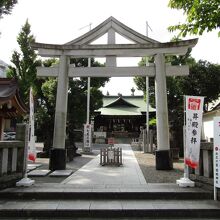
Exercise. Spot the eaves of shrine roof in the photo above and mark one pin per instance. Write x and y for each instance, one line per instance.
(214, 111)
(9, 92)
(135, 104)
(122, 111)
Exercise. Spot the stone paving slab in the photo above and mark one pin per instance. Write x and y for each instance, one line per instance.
(61, 173)
(31, 167)
(39, 173)
(93, 173)
(34, 165)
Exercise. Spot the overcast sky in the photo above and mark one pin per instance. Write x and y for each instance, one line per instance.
(56, 21)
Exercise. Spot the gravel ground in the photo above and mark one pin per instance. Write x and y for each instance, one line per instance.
(147, 165)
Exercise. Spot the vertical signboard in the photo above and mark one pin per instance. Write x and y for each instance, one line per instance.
(216, 152)
(31, 149)
(87, 137)
(194, 110)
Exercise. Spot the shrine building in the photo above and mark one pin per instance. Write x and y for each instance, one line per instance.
(11, 104)
(122, 116)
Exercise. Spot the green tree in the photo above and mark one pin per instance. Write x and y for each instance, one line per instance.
(203, 80)
(45, 110)
(200, 16)
(25, 62)
(77, 101)
(25, 69)
(77, 98)
(6, 6)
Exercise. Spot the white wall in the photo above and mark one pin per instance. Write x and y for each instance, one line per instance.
(207, 129)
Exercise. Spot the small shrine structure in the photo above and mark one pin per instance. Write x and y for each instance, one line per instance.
(11, 104)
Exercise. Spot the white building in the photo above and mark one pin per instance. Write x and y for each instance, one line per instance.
(208, 118)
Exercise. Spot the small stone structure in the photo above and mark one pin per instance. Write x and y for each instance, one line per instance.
(12, 163)
(11, 104)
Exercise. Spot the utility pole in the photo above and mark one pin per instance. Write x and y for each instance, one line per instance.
(89, 80)
(88, 86)
(146, 147)
(87, 127)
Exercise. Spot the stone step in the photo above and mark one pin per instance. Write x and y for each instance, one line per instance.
(68, 192)
(196, 209)
(74, 194)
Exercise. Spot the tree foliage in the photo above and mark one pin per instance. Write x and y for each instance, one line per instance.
(77, 101)
(25, 69)
(203, 80)
(6, 6)
(202, 15)
(25, 62)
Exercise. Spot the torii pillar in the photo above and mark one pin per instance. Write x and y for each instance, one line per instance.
(163, 156)
(58, 152)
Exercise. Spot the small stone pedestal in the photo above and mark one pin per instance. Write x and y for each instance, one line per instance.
(185, 182)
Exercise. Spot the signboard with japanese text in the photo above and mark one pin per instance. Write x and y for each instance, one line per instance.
(87, 135)
(31, 145)
(194, 111)
(216, 152)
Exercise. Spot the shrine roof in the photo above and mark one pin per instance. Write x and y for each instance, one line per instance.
(124, 105)
(11, 104)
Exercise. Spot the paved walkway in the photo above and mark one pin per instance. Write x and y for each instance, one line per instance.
(93, 174)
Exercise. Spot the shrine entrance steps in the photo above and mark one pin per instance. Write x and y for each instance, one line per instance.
(63, 201)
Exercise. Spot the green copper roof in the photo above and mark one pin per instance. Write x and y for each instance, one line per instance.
(120, 102)
(125, 105)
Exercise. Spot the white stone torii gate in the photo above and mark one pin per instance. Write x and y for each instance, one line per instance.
(142, 47)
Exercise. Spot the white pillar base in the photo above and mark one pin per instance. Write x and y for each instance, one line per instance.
(25, 182)
(185, 182)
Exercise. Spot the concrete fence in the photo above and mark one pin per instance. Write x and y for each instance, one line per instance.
(204, 173)
(12, 154)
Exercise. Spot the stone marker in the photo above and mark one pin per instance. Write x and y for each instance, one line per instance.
(39, 173)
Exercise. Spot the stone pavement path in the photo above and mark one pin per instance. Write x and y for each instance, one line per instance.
(94, 174)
